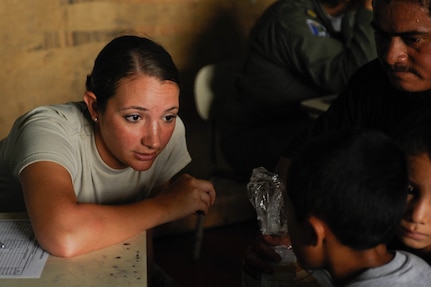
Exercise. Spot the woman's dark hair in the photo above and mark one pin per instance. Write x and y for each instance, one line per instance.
(124, 57)
(356, 182)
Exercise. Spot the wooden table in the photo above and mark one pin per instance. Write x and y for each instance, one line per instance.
(124, 264)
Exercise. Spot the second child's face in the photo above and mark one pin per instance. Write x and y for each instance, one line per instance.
(415, 230)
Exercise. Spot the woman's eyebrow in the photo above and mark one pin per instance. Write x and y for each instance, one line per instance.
(145, 109)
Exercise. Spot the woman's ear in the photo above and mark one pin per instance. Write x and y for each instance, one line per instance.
(91, 102)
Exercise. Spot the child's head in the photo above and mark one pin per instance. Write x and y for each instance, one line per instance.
(415, 228)
(354, 182)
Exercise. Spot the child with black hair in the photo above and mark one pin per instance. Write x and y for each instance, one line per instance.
(414, 233)
(346, 196)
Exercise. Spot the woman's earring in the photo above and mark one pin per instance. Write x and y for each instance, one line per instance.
(96, 119)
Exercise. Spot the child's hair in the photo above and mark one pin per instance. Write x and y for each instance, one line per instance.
(414, 135)
(355, 181)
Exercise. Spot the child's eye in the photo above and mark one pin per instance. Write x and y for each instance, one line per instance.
(411, 190)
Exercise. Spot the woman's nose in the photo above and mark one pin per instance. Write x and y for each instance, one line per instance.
(151, 136)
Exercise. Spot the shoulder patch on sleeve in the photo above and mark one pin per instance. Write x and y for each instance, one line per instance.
(316, 28)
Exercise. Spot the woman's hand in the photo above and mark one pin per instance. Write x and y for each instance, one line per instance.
(186, 195)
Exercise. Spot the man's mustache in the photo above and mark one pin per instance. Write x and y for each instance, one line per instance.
(398, 68)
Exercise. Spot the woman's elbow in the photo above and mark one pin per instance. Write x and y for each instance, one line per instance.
(60, 246)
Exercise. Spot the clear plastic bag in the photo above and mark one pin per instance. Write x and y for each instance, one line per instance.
(265, 192)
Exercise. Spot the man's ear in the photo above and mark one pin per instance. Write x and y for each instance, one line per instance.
(316, 231)
(91, 102)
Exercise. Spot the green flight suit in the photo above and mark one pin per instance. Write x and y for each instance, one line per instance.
(294, 54)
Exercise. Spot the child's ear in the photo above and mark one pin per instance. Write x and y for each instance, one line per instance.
(316, 230)
(314, 240)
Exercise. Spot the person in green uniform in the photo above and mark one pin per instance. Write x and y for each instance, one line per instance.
(296, 51)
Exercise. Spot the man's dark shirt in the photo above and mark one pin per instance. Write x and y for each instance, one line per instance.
(369, 102)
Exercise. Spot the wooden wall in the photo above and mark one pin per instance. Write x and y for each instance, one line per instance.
(48, 46)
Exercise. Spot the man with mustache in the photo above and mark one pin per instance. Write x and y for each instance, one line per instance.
(397, 84)
(380, 96)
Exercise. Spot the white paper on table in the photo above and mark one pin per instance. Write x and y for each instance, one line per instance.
(21, 256)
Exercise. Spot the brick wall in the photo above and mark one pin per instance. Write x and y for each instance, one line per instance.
(48, 46)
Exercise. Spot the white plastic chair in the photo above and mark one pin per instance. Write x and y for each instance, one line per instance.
(213, 83)
(204, 94)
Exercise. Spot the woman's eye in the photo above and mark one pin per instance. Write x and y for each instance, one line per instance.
(133, 118)
(170, 118)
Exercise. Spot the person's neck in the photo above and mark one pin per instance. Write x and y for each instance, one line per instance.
(347, 263)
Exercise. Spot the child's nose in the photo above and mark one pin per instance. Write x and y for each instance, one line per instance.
(418, 211)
